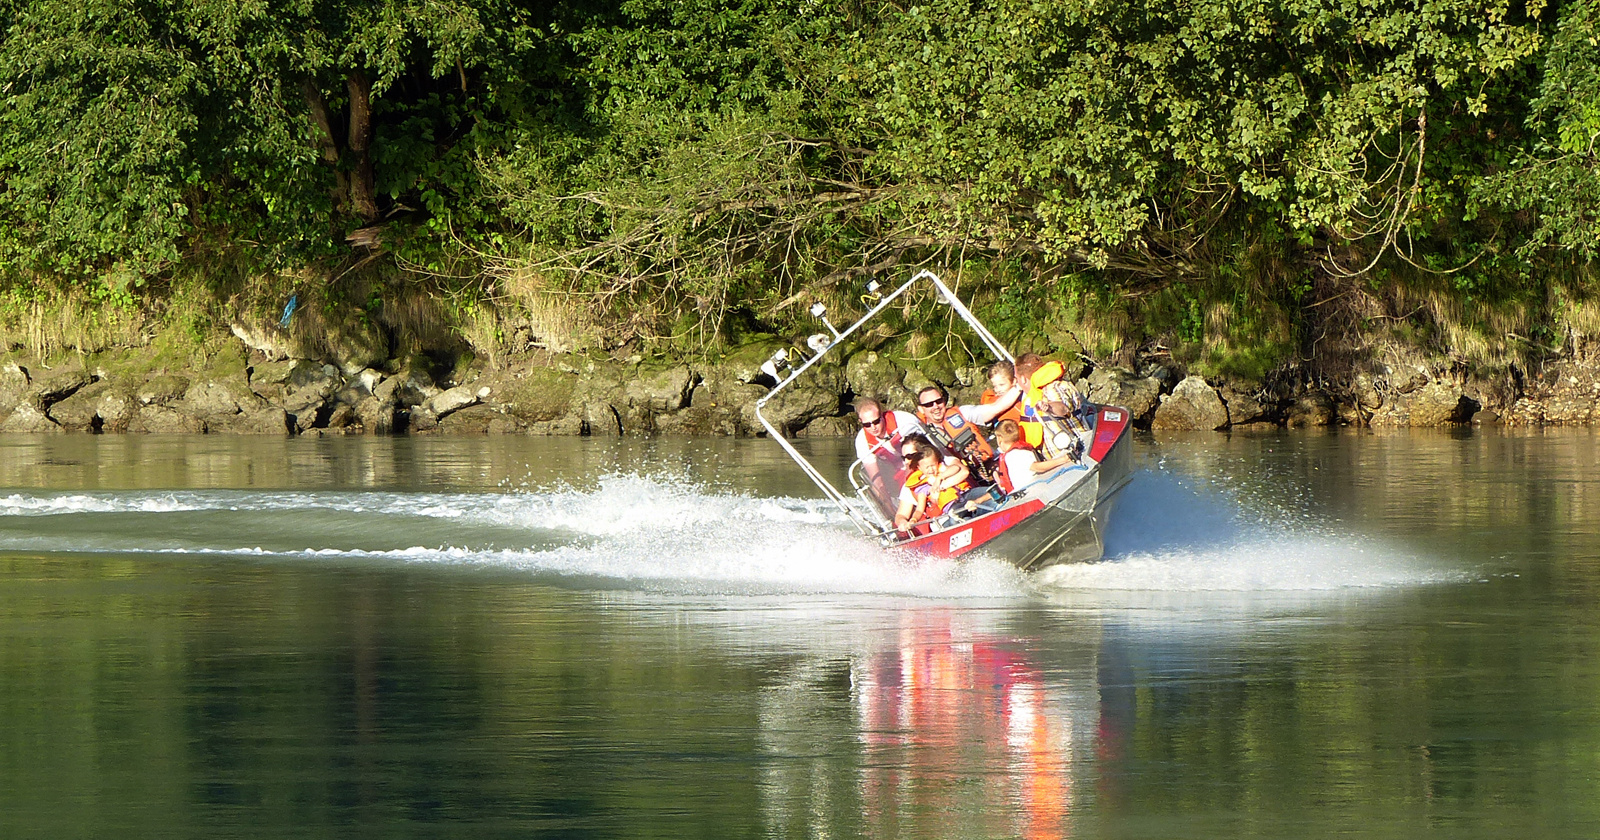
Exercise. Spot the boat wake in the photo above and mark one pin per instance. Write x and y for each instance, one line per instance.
(1166, 537)
(653, 533)
(667, 534)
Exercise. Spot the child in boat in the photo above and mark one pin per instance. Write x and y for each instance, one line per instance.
(934, 484)
(1021, 464)
(1002, 378)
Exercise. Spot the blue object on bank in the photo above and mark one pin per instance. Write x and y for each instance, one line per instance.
(288, 310)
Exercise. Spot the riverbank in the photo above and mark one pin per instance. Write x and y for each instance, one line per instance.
(263, 378)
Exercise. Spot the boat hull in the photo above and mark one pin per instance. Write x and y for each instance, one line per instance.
(1059, 520)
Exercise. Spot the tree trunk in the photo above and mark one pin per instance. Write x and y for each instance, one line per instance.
(363, 191)
(327, 143)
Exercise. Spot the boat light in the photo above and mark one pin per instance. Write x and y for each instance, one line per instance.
(779, 360)
(819, 342)
(818, 309)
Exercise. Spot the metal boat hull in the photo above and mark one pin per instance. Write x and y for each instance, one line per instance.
(1061, 520)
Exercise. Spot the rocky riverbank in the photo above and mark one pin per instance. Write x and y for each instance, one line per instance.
(264, 381)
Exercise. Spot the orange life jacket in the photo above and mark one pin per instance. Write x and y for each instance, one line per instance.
(978, 453)
(1012, 413)
(1003, 475)
(921, 485)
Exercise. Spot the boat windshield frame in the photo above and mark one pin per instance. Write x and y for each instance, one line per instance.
(851, 510)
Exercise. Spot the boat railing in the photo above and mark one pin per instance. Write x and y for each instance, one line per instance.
(823, 345)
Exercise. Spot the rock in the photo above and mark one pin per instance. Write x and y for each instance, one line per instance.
(211, 398)
(265, 420)
(160, 389)
(342, 415)
(266, 338)
(832, 427)
(795, 408)
(116, 407)
(1115, 386)
(1193, 405)
(13, 386)
(369, 379)
(1569, 409)
(29, 418)
(160, 419)
(81, 411)
(470, 420)
(1313, 408)
(1486, 417)
(49, 388)
(454, 399)
(1247, 406)
(666, 390)
(873, 374)
(1366, 393)
(1435, 404)
(377, 416)
(543, 395)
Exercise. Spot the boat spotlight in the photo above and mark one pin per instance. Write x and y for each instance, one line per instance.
(819, 342)
(819, 310)
(778, 361)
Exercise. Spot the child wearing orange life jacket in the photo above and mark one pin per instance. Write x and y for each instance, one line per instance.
(1021, 464)
(1002, 378)
(933, 486)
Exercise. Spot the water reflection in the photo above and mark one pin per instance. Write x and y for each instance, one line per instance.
(958, 730)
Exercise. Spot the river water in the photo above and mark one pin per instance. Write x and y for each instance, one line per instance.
(1294, 635)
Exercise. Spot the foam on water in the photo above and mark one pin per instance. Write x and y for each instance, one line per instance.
(666, 533)
(1168, 536)
(657, 532)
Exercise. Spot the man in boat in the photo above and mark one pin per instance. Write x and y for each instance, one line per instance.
(1052, 408)
(878, 449)
(960, 430)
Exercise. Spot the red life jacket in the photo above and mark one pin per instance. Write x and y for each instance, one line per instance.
(1003, 475)
(891, 436)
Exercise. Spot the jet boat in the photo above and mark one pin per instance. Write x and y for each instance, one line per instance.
(1060, 518)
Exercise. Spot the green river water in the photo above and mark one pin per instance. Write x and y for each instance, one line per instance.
(1294, 635)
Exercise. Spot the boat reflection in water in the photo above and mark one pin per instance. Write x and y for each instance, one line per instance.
(957, 733)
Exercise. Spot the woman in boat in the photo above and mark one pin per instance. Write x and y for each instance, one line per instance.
(933, 484)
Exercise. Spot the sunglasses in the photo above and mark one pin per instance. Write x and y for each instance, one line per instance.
(911, 456)
(935, 401)
(867, 424)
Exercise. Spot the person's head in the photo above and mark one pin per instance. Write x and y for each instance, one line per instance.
(1007, 434)
(932, 402)
(1027, 363)
(1002, 375)
(915, 449)
(870, 412)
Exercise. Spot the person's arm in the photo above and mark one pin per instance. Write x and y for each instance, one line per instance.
(911, 510)
(985, 414)
(1053, 464)
(952, 474)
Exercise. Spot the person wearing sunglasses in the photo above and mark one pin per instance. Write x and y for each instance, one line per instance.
(878, 447)
(961, 430)
(934, 484)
